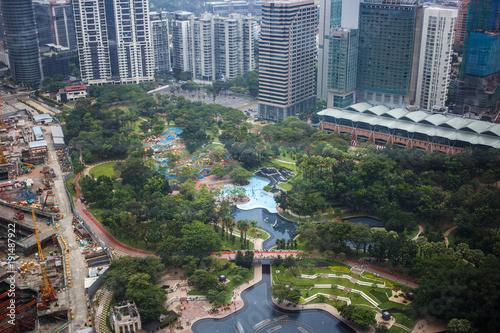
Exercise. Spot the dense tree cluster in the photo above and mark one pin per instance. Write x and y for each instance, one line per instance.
(132, 278)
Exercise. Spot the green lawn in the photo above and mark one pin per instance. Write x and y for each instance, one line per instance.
(105, 169)
(285, 186)
(378, 295)
(395, 329)
(279, 165)
(211, 134)
(213, 146)
(403, 319)
(227, 244)
(391, 304)
(354, 297)
(410, 234)
(286, 158)
(261, 233)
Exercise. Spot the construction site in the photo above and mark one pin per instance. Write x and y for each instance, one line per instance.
(34, 275)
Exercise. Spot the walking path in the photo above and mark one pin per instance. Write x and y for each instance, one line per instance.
(102, 312)
(446, 234)
(99, 230)
(420, 230)
(385, 274)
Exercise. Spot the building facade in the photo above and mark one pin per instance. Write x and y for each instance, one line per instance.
(92, 41)
(212, 47)
(160, 40)
(22, 40)
(182, 44)
(287, 58)
(389, 37)
(435, 57)
(55, 22)
(480, 68)
(133, 38)
(461, 27)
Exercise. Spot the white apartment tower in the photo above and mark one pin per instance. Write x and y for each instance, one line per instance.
(133, 38)
(160, 40)
(92, 41)
(213, 47)
(435, 56)
(181, 40)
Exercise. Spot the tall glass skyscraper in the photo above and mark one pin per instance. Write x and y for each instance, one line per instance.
(389, 37)
(286, 56)
(22, 40)
(338, 52)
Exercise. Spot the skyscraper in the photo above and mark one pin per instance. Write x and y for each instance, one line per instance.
(463, 10)
(213, 47)
(55, 22)
(133, 38)
(161, 41)
(338, 52)
(92, 41)
(435, 56)
(22, 40)
(286, 57)
(389, 37)
(480, 69)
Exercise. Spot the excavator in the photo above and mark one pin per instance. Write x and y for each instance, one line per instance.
(53, 208)
(29, 200)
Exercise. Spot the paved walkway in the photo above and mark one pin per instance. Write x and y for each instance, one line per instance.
(385, 274)
(101, 312)
(446, 234)
(420, 230)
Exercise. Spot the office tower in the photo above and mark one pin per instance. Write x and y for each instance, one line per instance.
(480, 70)
(22, 40)
(56, 60)
(286, 58)
(160, 40)
(55, 22)
(338, 52)
(182, 44)
(213, 47)
(389, 37)
(463, 10)
(435, 57)
(92, 41)
(133, 38)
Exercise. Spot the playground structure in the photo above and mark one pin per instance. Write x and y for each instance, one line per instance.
(168, 143)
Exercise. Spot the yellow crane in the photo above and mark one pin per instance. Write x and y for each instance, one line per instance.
(47, 292)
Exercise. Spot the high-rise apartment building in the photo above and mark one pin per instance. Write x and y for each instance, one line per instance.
(160, 40)
(338, 52)
(389, 37)
(463, 10)
(92, 41)
(213, 47)
(480, 69)
(435, 57)
(55, 22)
(22, 40)
(133, 39)
(182, 44)
(286, 58)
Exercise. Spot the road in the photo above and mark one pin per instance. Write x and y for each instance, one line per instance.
(78, 270)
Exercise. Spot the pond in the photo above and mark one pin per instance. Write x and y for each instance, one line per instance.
(255, 191)
(266, 221)
(368, 220)
(259, 314)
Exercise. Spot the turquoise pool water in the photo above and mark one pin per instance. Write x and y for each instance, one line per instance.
(254, 190)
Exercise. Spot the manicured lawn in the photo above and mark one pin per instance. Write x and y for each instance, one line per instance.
(286, 158)
(395, 329)
(195, 292)
(211, 134)
(378, 295)
(403, 319)
(227, 244)
(213, 146)
(354, 297)
(261, 233)
(391, 304)
(410, 234)
(288, 166)
(105, 169)
(285, 186)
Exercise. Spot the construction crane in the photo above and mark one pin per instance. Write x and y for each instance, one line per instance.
(47, 293)
(29, 200)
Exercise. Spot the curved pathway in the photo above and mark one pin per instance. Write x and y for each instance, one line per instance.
(446, 234)
(99, 230)
(420, 230)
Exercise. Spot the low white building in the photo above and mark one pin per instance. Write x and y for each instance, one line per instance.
(125, 318)
(71, 93)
